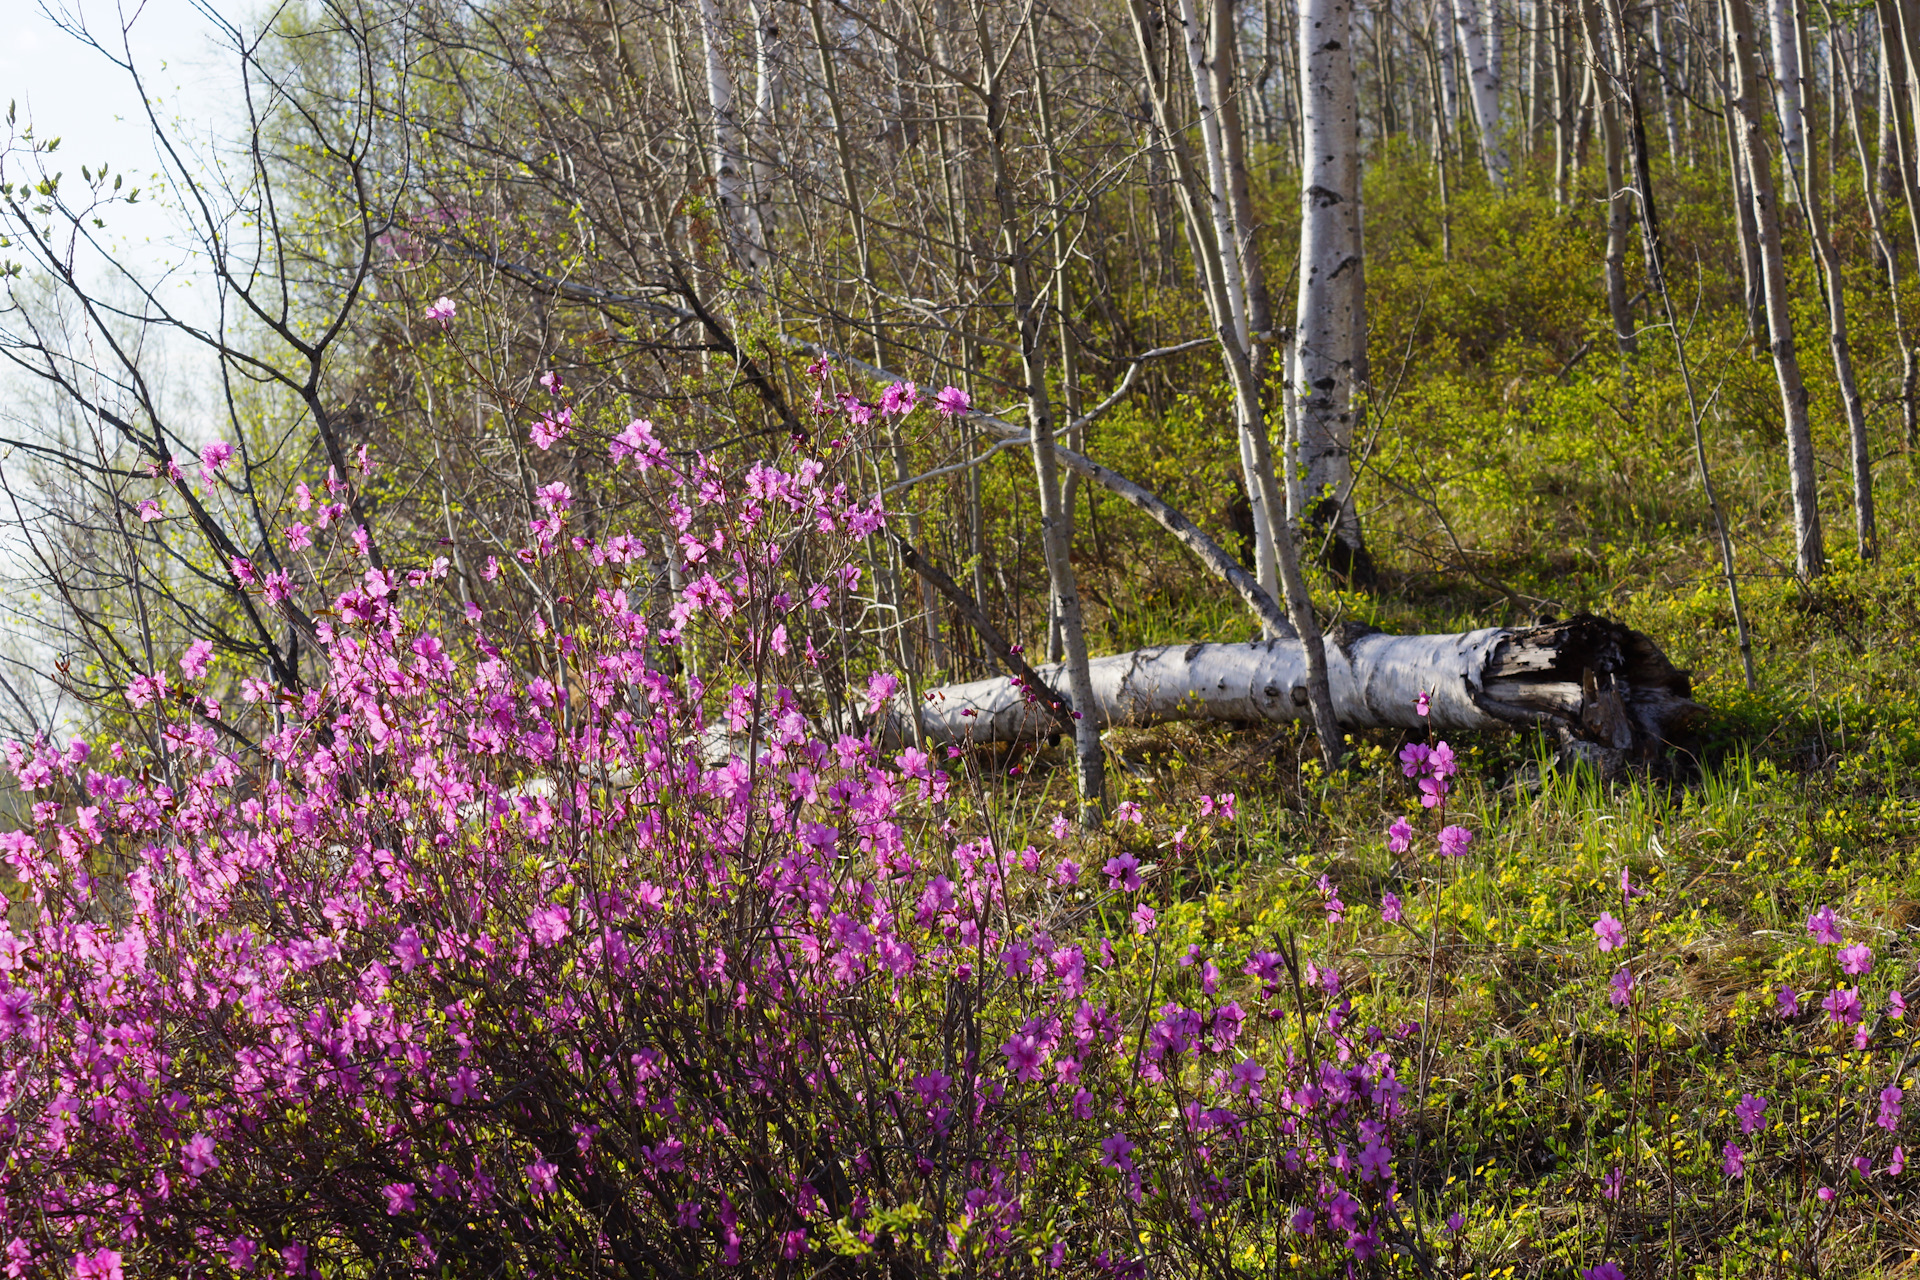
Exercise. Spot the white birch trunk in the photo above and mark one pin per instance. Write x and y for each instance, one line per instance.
(1593, 678)
(1787, 92)
(1483, 82)
(769, 69)
(741, 213)
(1256, 462)
(1329, 269)
(1749, 94)
(1444, 56)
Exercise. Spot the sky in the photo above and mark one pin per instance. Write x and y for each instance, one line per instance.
(71, 91)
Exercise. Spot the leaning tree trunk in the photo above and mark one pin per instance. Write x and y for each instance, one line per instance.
(1586, 678)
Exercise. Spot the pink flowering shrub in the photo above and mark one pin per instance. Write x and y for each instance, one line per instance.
(511, 947)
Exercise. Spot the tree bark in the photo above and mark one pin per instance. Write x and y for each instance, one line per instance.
(1483, 82)
(1828, 265)
(1587, 678)
(730, 148)
(1056, 522)
(1326, 320)
(1618, 210)
(1788, 93)
(1749, 94)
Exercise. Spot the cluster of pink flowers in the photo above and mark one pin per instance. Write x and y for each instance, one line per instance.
(476, 952)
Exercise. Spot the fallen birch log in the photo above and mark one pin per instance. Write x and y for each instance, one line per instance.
(1592, 679)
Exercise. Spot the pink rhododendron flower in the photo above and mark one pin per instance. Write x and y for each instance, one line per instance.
(1454, 841)
(214, 458)
(1856, 959)
(1733, 1161)
(193, 663)
(952, 401)
(442, 310)
(1749, 1111)
(150, 510)
(1400, 836)
(197, 1156)
(899, 399)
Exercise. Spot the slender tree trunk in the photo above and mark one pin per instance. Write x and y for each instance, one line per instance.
(1443, 53)
(1749, 97)
(1056, 521)
(1828, 266)
(1746, 232)
(1233, 244)
(1328, 316)
(1895, 135)
(1619, 210)
(1483, 80)
(730, 149)
(1788, 94)
(1656, 18)
(1889, 258)
(1563, 108)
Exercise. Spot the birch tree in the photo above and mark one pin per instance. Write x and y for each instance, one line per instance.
(1749, 96)
(1483, 84)
(730, 168)
(1329, 317)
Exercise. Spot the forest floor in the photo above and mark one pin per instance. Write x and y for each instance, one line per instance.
(1552, 1116)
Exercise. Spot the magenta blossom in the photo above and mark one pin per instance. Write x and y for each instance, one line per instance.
(1749, 1110)
(1124, 870)
(1454, 841)
(952, 401)
(1400, 836)
(1788, 1002)
(899, 399)
(1843, 1006)
(442, 310)
(1856, 959)
(1733, 1160)
(214, 458)
(1605, 1271)
(1422, 704)
(1390, 907)
(1620, 989)
(1825, 927)
(1611, 932)
(1889, 1117)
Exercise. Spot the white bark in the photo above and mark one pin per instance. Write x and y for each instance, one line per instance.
(742, 215)
(1483, 82)
(1596, 679)
(1324, 354)
(769, 68)
(1256, 453)
(1443, 54)
(1749, 94)
(1787, 91)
